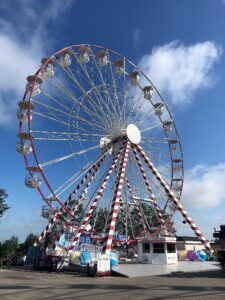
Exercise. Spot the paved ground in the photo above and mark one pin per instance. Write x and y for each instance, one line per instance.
(23, 285)
(139, 270)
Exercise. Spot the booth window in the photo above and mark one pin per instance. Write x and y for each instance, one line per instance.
(146, 248)
(158, 248)
(171, 248)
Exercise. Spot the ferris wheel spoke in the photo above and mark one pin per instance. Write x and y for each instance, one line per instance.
(157, 149)
(146, 116)
(58, 134)
(96, 104)
(104, 85)
(155, 126)
(51, 118)
(114, 86)
(91, 82)
(55, 100)
(68, 156)
(135, 108)
(73, 98)
(155, 140)
(67, 114)
(138, 107)
(124, 98)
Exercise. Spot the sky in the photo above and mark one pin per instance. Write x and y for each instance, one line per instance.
(179, 44)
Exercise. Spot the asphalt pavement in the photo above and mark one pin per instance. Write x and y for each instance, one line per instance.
(22, 284)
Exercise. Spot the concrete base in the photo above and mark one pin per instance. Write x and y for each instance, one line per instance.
(140, 270)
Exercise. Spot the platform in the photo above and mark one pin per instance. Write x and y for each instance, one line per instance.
(140, 270)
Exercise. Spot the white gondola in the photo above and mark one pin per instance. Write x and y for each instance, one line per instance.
(148, 92)
(50, 199)
(173, 149)
(48, 70)
(159, 108)
(65, 58)
(34, 169)
(177, 164)
(135, 77)
(23, 116)
(84, 53)
(172, 141)
(177, 184)
(177, 168)
(25, 105)
(47, 212)
(119, 65)
(32, 182)
(102, 58)
(23, 149)
(25, 136)
(33, 85)
(167, 126)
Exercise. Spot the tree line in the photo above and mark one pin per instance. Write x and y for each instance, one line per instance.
(11, 249)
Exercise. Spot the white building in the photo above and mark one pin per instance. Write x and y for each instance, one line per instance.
(189, 243)
(157, 250)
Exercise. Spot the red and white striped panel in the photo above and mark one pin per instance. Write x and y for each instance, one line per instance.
(110, 229)
(175, 200)
(94, 168)
(152, 196)
(121, 202)
(89, 214)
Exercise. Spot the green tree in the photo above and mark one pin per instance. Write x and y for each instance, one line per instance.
(9, 249)
(98, 219)
(23, 248)
(3, 205)
(29, 241)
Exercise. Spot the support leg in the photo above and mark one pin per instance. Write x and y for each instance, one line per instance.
(116, 200)
(175, 200)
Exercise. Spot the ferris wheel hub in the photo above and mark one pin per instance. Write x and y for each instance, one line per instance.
(133, 134)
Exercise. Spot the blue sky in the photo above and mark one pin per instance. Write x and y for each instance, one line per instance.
(179, 44)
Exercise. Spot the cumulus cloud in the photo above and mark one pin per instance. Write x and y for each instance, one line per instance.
(179, 71)
(24, 41)
(204, 186)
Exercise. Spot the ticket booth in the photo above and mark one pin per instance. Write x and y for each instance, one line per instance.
(157, 250)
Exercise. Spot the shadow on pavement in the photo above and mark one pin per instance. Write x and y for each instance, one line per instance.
(203, 274)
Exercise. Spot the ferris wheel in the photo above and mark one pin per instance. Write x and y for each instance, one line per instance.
(97, 137)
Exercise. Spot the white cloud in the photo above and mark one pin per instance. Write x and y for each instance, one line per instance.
(24, 40)
(204, 187)
(179, 71)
